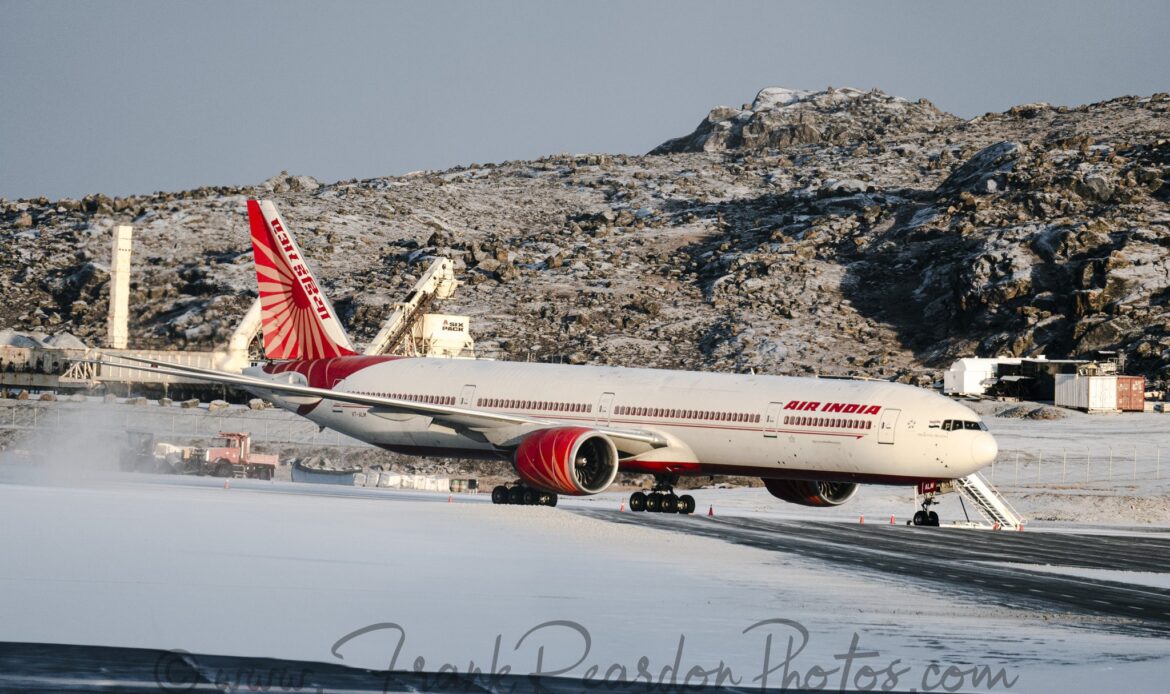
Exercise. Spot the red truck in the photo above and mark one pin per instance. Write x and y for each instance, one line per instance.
(232, 456)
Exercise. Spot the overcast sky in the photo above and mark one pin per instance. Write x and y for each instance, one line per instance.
(134, 97)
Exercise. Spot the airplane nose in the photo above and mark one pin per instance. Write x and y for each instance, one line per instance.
(984, 449)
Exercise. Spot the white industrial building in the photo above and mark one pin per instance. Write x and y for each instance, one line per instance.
(974, 375)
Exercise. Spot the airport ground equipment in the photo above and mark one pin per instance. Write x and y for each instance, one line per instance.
(991, 505)
(410, 331)
(233, 458)
(230, 456)
(141, 453)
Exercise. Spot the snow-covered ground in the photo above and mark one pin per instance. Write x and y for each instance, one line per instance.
(1111, 469)
(281, 570)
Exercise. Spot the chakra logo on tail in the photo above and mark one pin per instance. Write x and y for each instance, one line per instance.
(298, 320)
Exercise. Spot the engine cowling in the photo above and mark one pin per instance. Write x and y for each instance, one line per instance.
(575, 461)
(812, 492)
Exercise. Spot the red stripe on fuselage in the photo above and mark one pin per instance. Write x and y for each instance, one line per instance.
(323, 373)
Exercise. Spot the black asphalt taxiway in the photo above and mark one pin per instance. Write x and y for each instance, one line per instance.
(983, 565)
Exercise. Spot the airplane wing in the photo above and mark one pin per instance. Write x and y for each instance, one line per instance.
(504, 426)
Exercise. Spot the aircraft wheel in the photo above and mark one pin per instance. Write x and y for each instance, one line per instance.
(932, 519)
(552, 499)
(637, 501)
(669, 503)
(500, 495)
(516, 495)
(530, 497)
(686, 504)
(654, 503)
(920, 518)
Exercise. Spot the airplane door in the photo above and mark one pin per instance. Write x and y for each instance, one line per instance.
(772, 419)
(604, 407)
(467, 396)
(886, 425)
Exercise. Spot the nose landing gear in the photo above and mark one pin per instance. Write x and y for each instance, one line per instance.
(662, 498)
(926, 516)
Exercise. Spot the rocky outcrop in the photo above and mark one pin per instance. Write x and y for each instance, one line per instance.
(779, 118)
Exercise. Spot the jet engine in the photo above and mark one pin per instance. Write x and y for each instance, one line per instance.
(812, 492)
(567, 460)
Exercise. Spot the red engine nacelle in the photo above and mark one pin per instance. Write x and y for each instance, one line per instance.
(567, 460)
(812, 492)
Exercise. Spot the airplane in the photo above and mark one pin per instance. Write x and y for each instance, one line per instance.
(571, 429)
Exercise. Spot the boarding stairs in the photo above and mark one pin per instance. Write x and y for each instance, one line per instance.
(989, 502)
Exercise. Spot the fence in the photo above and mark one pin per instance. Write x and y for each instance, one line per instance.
(268, 426)
(1126, 462)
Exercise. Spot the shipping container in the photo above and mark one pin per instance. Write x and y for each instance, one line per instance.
(1131, 393)
(1088, 393)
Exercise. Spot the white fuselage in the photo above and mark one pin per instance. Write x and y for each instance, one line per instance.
(767, 426)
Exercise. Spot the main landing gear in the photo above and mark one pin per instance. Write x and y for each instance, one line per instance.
(662, 498)
(520, 495)
(926, 516)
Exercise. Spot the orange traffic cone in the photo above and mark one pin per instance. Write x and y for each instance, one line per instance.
(622, 508)
(861, 521)
(450, 498)
(225, 484)
(995, 525)
(710, 511)
(892, 521)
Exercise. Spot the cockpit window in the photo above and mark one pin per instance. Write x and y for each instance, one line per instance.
(960, 424)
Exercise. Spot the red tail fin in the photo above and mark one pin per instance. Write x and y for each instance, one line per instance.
(298, 320)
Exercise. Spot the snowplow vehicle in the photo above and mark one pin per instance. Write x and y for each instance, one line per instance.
(231, 456)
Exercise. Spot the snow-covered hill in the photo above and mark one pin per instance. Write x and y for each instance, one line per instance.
(838, 231)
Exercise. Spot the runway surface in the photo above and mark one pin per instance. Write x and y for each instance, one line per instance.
(992, 568)
(970, 564)
(973, 565)
(102, 562)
